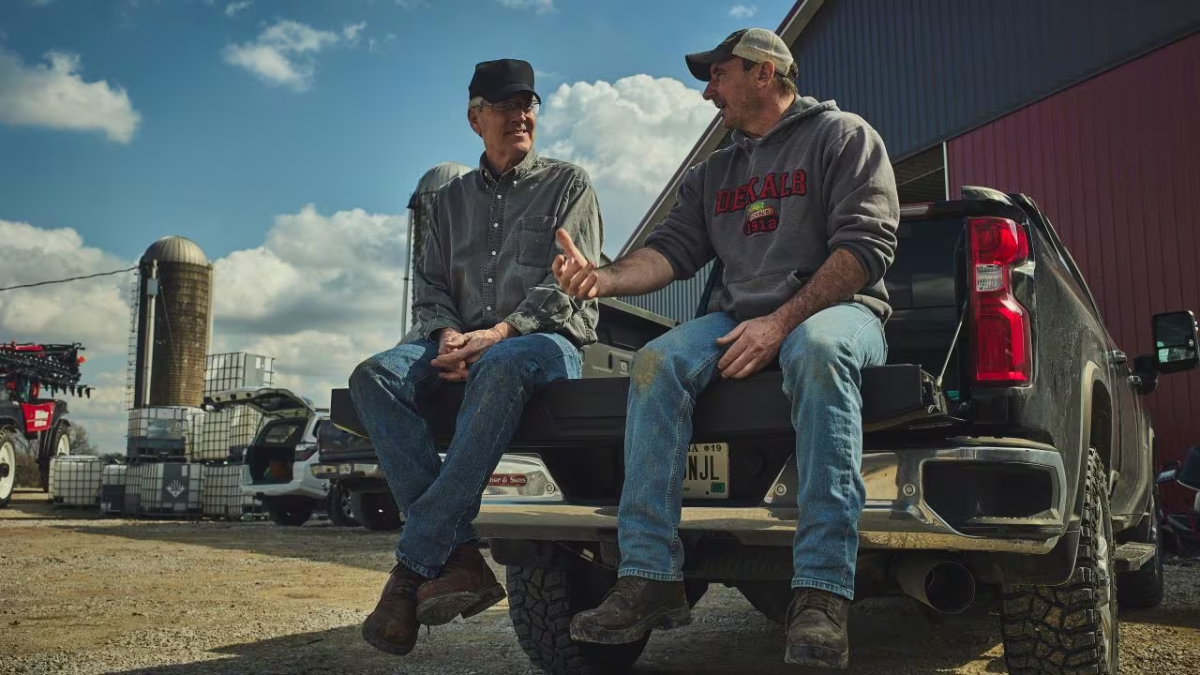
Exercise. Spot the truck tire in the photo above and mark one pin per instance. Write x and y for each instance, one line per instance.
(770, 598)
(340, 509)
(8, 466)
(375, 511)
(59, 446)
(1071, 628)
(1143, 588)
(290, 512)
(541, 602)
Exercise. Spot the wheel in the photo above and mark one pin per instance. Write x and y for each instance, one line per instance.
(341, 511)
(769, 598)
(8, 466)
(375, 511)
(290, 512)
(1143, 588)
(541, 602)
(60, 446)
(1071, 628)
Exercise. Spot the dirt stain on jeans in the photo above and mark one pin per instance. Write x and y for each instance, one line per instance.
(646, 367)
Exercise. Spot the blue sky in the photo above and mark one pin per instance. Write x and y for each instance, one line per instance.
(218, 152)
(286, 137)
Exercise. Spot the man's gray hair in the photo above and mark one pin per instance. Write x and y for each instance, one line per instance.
(475, 103)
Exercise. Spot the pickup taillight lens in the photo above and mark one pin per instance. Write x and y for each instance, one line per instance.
(1000, 326)
(304, 452)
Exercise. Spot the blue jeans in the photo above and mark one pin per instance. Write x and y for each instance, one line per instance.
(441, 500)
(821, 360)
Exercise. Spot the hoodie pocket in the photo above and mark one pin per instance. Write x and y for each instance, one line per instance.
(760, 295)
(535, 241)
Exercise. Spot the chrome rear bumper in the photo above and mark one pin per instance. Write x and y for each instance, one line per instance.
(896, 514)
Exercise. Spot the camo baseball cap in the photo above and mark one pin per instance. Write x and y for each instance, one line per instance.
(758, 45)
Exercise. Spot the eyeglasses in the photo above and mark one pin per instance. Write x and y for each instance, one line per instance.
(510, 106)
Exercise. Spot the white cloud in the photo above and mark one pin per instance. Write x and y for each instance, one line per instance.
(630, 135)
(92, 311)
(55, 96)
(320, 294)
(350, 31)
(285, 53)
(233, 8)
(104, 413)
(314, 271)
(538, 6)
(412, 4)
(743, 11)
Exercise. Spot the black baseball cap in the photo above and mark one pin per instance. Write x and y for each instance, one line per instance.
(500, 79)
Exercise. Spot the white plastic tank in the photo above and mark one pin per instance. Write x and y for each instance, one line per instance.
(222, 492)
(75, 480)
(167, 488)
(112, 488)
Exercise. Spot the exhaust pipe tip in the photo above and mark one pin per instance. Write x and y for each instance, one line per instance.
(945, 585)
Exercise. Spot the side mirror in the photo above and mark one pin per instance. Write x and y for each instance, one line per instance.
(1175, 342)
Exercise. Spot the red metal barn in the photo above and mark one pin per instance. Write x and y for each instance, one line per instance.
(1113, 161)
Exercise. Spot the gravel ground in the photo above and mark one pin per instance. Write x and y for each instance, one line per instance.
(83, 594)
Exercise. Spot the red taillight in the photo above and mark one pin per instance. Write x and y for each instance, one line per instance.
(304, 452)
(1001, 325)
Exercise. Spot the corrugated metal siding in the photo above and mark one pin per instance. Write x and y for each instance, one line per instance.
(677, 301)
(921, 71)
(1112, 162)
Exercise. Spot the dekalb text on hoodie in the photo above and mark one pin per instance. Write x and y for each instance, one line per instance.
(774, 208)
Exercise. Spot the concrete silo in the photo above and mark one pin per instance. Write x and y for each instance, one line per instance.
(419, 205)
(174, 324)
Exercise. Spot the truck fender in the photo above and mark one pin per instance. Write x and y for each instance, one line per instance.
(1056, 566)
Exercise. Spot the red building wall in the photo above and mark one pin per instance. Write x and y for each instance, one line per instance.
(1114, 162)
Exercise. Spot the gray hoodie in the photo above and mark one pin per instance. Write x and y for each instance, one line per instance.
(774, 208)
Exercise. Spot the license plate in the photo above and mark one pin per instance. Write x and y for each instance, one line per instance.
(706, 474)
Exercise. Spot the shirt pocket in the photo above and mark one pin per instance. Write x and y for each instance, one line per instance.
(535, 241)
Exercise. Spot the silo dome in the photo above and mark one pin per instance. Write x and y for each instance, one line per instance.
(175, 250)
(439, 175)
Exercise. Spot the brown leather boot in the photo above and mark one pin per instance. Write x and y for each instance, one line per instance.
(632, 607)
(393, 626)
(816, 629)
(466, 586)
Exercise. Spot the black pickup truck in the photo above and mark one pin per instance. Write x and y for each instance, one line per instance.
(1006, 450)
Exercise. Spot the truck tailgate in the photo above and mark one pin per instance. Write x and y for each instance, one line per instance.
(591, 412)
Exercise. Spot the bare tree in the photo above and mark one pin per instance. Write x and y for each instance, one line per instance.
(80, 443)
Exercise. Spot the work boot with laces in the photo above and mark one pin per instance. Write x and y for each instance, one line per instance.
(631, 608)
(816, 629)
(466, 586)
(393, 626)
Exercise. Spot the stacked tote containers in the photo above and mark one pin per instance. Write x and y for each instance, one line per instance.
(222, 495)
(112, 488)
(226, 434)
(163, 433)
(75, 480)
(163, 488)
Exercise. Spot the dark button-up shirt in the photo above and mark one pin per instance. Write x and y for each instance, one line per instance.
(487, 257)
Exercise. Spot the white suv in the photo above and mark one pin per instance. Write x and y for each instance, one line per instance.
(277, 467)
